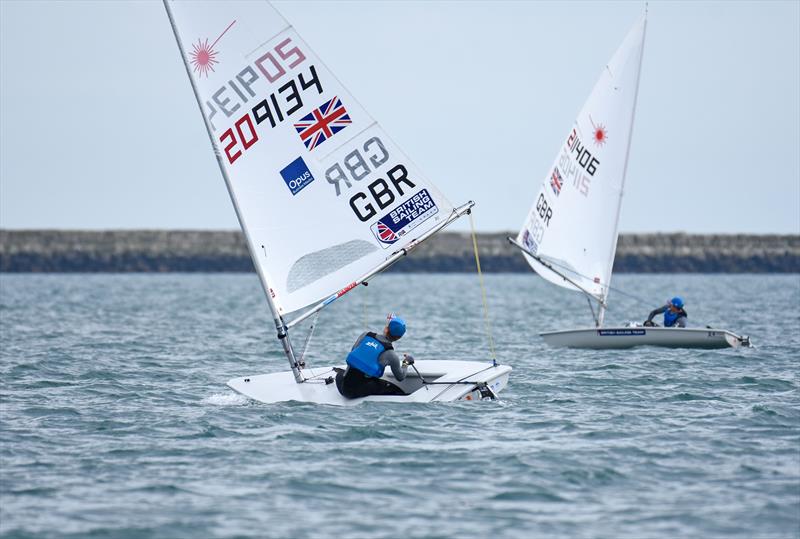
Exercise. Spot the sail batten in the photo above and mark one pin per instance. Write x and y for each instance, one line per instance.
(321, 191)
(575, 215)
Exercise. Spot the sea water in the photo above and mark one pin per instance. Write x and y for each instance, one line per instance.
(115, 420)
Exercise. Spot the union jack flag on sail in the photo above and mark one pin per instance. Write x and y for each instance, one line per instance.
(556, 181)
(322, 123)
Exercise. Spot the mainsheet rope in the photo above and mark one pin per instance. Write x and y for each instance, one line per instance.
(487, 321)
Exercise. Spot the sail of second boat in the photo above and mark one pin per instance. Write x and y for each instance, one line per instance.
(572, 225)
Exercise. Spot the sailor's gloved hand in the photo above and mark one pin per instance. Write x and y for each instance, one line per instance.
(408, 360)
(648, 324)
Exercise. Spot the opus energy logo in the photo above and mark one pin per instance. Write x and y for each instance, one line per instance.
(297, 175)
(404, 218)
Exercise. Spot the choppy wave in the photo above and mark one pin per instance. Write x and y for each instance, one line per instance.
(226, 399)
(115, 420)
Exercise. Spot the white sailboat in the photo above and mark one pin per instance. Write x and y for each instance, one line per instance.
(324, 197)
(570, 235)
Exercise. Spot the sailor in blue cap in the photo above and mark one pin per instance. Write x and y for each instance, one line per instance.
(674, 314)
(368, 359)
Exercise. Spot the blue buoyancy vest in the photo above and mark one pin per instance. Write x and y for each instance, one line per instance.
(670, 318)
(364, 357)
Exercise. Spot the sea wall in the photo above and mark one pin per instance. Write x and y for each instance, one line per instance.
(212, 251)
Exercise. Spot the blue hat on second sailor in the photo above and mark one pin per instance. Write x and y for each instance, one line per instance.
(397, 326)
(677, 301)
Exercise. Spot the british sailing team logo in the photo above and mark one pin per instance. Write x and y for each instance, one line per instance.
(404, 218)
(384, 233)
(529, 242)
(322, 123)
(203, 55)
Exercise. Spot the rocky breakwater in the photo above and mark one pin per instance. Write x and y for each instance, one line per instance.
(210, 251)
(636, 253)
(122, 251)
(717, 253)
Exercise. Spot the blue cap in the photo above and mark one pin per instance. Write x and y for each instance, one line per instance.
(677, 301)
(397, 326)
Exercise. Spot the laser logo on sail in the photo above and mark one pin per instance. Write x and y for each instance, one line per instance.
(404, 218)
(204, 56)
(600, 133)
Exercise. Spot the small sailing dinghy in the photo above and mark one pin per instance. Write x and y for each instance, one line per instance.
(324, 197)
(570, 235)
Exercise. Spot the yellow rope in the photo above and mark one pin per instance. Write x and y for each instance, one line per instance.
(483, 288)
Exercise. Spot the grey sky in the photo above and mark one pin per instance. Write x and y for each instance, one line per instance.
(99, 128)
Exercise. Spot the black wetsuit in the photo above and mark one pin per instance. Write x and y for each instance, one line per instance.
(352, 383)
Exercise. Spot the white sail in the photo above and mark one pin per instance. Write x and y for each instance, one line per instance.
(572, 225)
(322, 193)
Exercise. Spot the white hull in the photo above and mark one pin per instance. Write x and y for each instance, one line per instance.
(628, 337)
(281, 386)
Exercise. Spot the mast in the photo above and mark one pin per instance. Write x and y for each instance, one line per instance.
(603, 304)
(280, 326)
